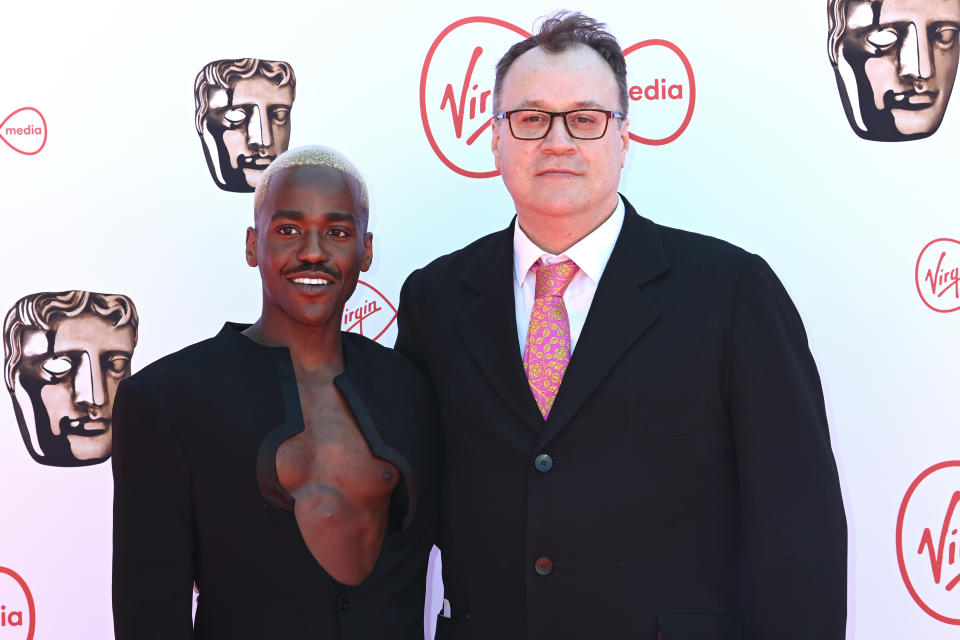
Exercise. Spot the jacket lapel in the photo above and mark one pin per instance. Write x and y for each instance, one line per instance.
(619, 315)
(488, 326)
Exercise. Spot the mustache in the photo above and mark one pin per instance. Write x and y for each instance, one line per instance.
(312, 267)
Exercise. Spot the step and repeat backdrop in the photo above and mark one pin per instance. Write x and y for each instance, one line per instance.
(819, 135)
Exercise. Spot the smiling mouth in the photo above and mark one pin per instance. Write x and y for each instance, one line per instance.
(310, 284)
(83, 427)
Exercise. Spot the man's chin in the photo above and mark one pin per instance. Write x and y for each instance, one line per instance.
(318, 318)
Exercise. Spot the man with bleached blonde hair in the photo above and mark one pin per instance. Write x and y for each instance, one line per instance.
(285, 468)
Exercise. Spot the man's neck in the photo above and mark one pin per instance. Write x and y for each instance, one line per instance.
(314, 350)
(557, 233)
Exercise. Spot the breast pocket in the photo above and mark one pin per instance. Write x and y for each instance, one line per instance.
(667, 418)
(699, 626)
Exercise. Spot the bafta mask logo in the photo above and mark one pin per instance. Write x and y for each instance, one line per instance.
(895, 62)
(64, 355)
(243, 118)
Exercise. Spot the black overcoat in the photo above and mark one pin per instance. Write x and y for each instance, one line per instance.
(683, 486)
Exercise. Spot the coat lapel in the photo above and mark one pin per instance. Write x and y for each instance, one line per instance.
(619, 315)
(488, 326)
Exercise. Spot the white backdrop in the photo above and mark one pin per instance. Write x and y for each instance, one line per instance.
(119, 200)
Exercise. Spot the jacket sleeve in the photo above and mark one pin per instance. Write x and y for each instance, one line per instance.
(153, 540)
(406, 343)
(795, 534)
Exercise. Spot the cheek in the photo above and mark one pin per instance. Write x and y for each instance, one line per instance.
(514, 164)
(611, 162)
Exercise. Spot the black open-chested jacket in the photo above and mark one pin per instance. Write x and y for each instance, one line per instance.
(197, 500)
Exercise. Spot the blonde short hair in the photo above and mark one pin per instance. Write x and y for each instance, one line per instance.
(315, 156)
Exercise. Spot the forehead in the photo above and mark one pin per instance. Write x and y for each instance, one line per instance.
(309, 189)
(578, 75)
(87, 332)
(255, 90)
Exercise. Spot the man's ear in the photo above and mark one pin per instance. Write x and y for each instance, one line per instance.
(252, 247)
(495, 142)
(367, 259)
(624, 141)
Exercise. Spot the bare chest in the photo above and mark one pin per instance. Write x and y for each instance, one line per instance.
(331, 452)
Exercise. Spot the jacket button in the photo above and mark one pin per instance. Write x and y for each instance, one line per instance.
(543, 566)
(344, 604)
(543, 463)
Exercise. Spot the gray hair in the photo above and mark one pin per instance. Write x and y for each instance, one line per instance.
(559, 32)
(315, 156)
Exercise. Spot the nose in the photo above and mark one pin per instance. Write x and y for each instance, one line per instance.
(258, 129)
(88, 387)
(558, 139)
(915, 56)
(311, 248)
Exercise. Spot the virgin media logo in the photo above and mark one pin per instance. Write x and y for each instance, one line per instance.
(18, 617)
(928, 533)
(938, 275)
(662, 91)
(368, 312)
(24, 131)
(456, 91)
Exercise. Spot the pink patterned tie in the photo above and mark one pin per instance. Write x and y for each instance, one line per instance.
(547, 351)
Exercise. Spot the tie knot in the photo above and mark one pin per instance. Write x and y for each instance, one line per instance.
(553, 279)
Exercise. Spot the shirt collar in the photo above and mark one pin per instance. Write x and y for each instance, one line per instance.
(591, 253)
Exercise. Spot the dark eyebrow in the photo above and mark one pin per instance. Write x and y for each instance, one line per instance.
(284, 213)
(338, 216)
(539, 104)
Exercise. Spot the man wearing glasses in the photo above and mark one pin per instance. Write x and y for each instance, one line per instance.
(635, 437)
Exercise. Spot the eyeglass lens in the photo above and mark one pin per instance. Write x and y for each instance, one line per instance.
(584, 124)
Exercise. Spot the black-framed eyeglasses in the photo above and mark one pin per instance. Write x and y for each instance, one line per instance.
(582, 124)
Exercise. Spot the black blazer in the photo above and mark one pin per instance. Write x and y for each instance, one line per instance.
(196, 498)
(690, 488)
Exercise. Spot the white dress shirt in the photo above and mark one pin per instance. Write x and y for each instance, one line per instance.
(591, 254)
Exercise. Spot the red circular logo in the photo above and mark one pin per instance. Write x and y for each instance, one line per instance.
(24, 131)
(368, 312)
(938, 275)
(18, 617)
(928, 537)
(456, 91)
(661, 89)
